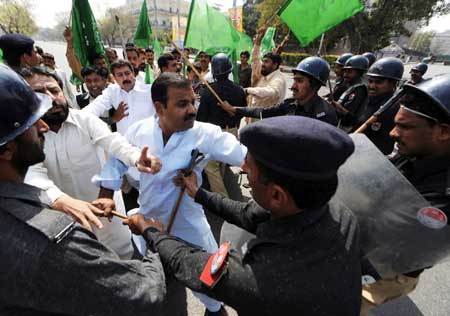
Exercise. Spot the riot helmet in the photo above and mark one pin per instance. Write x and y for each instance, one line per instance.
(343, 59)
(20, 106)
(421, 67)
(314, 67)
(370, 57)
(221, 65)
(388, 67)
(358, 62)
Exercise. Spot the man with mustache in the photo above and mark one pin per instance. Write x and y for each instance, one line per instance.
(383, 78)
(351, 103)
(172, 135)
(50, 264)
(417, 73)
(268, 83)
(132, 101)
(422, 134)
(310, 74)
(75, 150)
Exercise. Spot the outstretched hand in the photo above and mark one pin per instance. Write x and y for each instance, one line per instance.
(148, 163)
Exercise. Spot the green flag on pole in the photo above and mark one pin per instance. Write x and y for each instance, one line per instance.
(149, 78)
(308, 19)
(1, 56)
(268, 43)
(211, 31)
(157, 49)
(144, 30)
(87, 41)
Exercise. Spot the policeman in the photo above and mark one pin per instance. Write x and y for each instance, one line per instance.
(383, 78)
(422, 132)
(303, 252)
(351, 102)
(370, 57)
(50, 264)
(310, 74)
(417, 73)
(210, 112)
(341, 85)
(19, 51)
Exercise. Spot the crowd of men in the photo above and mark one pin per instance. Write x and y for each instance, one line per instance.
(73, 166)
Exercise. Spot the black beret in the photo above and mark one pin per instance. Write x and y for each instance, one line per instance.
(15, 44)
(297, 146)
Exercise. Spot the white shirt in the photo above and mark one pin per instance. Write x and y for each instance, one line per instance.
(73, 156)
(158, 194)
(139, 101)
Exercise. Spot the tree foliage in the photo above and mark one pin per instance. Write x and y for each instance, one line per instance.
(421, 41)
(15, 17)
(373, 28)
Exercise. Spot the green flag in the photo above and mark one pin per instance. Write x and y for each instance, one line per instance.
(87, 41)
(267, 43)
(211, 31)
(1, 56)
(308, 19)
(144, 30)
(157, 49)
(149, 78)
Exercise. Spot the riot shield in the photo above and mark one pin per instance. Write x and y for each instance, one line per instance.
(400, 231)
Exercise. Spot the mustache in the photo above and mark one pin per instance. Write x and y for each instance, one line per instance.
(190, 117)
(127, 82)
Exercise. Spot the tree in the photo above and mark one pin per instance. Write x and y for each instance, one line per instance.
(383, 19)
(422, 41)
(251, 17)
(109, 29)
(15, 17)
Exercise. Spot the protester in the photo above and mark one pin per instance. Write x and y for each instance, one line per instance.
(245, 70)
(19, 51)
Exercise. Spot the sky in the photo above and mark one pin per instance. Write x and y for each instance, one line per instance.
(44, 10)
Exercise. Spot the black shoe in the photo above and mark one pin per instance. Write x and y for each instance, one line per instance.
(221, 312)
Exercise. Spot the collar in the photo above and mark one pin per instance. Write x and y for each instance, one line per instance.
(309, 106)
(22, 191)
(70, 119)
(287, 228)
(430, 165)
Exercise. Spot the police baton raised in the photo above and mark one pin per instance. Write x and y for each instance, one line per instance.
(374, 118)
(188, 62)
(196, 158)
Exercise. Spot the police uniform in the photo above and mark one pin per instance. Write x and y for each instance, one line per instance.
(316, 108)
(340, 87)
(302, 264)
(14, 45)
(378, 132)
(353, 101)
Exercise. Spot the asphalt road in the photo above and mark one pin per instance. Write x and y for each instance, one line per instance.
(432, 296)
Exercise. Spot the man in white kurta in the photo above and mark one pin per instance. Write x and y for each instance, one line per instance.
(171, 136)
(75, 150)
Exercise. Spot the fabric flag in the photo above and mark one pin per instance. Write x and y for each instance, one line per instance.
(211, 31)
(268, 43)
(87, 41)
(308, 19)
(157, 48)
(1, 56)
(144, 30)
(149, 78)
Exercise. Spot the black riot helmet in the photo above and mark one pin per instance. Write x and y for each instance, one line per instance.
(421, 67)
(388, 67)
(221, 65)
(20, 106)
(314, 67)
(370, 57)
(358, 62)
(343, 59)
(437, 89)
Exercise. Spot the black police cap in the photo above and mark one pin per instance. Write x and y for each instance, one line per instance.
(298, 147)
(15, 43)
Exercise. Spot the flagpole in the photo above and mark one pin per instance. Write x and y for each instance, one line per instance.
(319, 53)
(121, 38)
(188, 62)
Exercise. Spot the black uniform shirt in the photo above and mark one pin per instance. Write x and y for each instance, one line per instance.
(353, 101)
(317, 108)
(304, 264)
(209, 111)
(378, 132)
(339, 88)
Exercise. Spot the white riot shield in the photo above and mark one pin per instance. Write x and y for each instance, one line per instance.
(400, 231)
